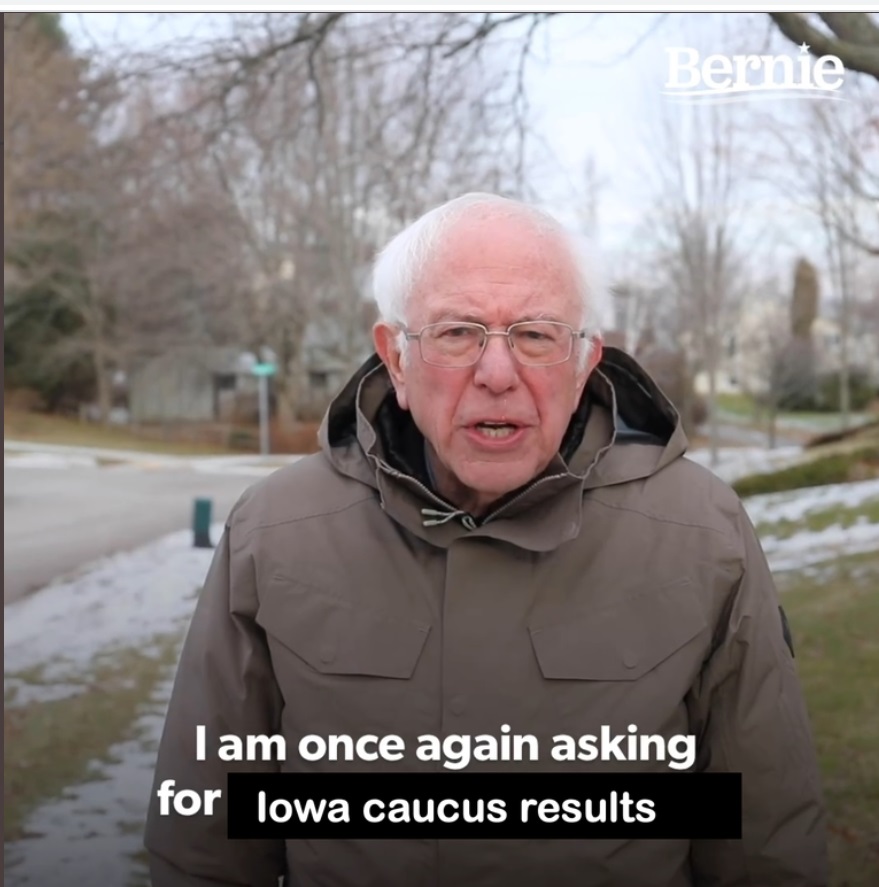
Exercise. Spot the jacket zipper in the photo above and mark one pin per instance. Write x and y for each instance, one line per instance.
(409, 479)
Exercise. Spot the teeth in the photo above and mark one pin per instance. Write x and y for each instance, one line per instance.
(496, 430)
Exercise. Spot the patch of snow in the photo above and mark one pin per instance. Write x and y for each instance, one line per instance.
(794, 505)
(806, 548)
(125, 600)
(22, 454)
(50, 460)
(736, 462)
(92, 833)
(18, 446)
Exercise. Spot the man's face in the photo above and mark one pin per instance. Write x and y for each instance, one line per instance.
(495, 272)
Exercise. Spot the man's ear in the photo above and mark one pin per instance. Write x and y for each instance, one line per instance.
(595, 346)
(386, 346)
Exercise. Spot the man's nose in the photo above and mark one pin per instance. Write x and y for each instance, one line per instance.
(497, 369)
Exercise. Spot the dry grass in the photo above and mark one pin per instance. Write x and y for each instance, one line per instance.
(58, 430)
(48, 746)
(33, 427)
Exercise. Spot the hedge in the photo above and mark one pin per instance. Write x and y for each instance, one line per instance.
(834, 468)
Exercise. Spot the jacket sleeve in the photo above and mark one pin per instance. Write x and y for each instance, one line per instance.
(224, 682)
(751, 716)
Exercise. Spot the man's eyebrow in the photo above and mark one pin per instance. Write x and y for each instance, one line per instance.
(471, 317)
(467, 316)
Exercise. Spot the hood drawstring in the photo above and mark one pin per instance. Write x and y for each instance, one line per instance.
(434, 518)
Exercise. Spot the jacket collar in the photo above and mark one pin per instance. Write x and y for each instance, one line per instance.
(368, 438)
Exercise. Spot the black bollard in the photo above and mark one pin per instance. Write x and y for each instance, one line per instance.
(201, 524)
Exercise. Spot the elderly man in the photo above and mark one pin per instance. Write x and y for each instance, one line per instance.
(500, 528)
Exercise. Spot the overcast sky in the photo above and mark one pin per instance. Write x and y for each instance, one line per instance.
(595, 88)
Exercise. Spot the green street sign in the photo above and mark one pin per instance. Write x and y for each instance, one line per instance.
(263, 369)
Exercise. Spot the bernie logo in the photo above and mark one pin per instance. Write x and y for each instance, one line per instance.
(728, 78)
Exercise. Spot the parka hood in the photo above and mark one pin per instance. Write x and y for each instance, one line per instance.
(624, 429)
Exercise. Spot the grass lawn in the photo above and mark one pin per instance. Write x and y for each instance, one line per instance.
(736, 404)
(43, 428)
(834, 615)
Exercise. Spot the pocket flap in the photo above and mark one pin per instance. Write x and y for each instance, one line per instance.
(335, 636)
(621, 642)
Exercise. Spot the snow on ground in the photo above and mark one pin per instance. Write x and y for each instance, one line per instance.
(808, 548)
(15, 448)
(797, 504)
(52, 460)
(92, 833)
(22, 454)
(125, 600)
(815, 546)
(736, 462)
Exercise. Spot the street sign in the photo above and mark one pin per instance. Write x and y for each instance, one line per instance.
(263, 371)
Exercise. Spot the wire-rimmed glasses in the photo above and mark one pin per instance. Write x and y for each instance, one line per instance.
(536, 343)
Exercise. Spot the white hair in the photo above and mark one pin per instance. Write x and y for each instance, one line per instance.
(400, 265)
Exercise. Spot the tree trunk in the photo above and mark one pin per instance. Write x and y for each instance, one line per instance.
(283, 404)
(102, 382)
(844, 391)
(713, 431)
(772, 417)
(710, 364)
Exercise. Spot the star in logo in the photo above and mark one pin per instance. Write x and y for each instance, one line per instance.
(804, 48)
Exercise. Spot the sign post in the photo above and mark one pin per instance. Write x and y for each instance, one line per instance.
(263, 371)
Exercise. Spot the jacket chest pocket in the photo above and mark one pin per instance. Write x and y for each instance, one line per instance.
(342, 667)
(628, 663)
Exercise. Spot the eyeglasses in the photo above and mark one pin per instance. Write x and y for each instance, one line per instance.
(536, 343)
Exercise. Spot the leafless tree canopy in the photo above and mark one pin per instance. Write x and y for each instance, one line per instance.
(236, 193)
(233, 189)
(265, 44)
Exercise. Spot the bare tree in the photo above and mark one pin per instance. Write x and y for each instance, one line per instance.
(260, 45)
(828, 165)
(46, 130)
(140, 258)
(791, 366)
(695, 163)
(318, 184)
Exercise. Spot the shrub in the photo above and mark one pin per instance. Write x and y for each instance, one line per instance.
(834, 468)
(861, 391)
(825, 397)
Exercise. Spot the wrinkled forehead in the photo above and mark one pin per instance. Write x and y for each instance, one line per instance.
(498, 269)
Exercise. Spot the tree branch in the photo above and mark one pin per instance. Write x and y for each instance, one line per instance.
(863, 58)
(490, 24)
(855, 27)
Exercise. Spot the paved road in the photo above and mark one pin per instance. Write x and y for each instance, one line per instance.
(57, 520)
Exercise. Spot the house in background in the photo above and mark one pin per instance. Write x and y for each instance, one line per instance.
(216, 383)
(749, 347)
(194, 384)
